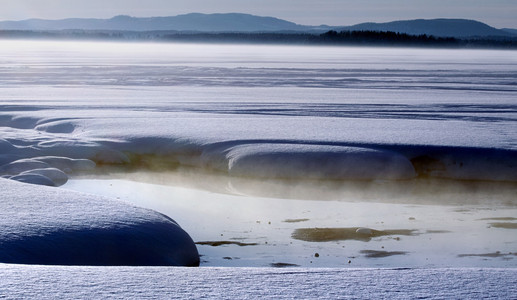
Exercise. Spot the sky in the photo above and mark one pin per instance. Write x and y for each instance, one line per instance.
(497, 13)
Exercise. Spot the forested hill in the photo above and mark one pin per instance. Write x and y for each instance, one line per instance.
(240, 23)
(458, 28)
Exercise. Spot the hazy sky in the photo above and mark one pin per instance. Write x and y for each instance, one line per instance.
(497, 13)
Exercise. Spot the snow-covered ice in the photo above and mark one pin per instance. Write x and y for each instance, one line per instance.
(449, 113)
(270, 113)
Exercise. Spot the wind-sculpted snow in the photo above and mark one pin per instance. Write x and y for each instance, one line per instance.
(289, 112)
(41, 225)
(254, 139)
(261, 110)
(316, 161)
(45, 170)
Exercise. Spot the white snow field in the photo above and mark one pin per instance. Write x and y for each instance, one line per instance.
(57, 282)
(424, 135)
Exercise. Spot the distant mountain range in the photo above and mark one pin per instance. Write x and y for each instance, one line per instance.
(190, 22)
(236, 22)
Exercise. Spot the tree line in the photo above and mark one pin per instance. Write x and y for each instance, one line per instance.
(332, 37)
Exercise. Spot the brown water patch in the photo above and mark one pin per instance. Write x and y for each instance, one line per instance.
(505, 225)
(425, 165)
(380, 254)
(499, 219)
(437, 231)
(341, 234)
(295, 220)
(494, 254)
(221, 243)
(283, 265)
(462, 210)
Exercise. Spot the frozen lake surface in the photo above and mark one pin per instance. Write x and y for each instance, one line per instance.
(402, 157)
(239, 229)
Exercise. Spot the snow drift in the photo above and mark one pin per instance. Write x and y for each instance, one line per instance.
(312, 162)
(42, 225)
(222, 144)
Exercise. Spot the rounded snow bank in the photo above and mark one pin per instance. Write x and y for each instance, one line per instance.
(317, 162)
(56, 176)
(62, 126)
(33, 179)
(45, 170)
(42, 225)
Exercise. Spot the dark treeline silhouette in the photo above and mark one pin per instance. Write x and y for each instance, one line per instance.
(387, 38)
(359, 38)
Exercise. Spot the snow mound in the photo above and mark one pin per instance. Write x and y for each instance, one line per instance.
(67, 165)
(22, 122)
(317, 162)
(45, 170)
(34, 179)
(56, 127)
(22, 165)
(57, 176)
(43, 225)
